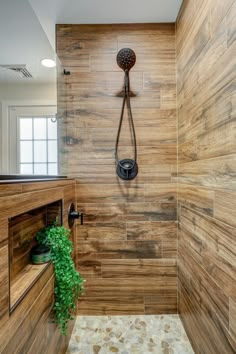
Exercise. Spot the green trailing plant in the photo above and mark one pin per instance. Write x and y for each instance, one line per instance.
(68, 282)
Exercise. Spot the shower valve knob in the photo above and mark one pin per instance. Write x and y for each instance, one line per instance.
(73, 214)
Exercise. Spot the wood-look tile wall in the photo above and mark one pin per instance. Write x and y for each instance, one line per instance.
(206, 90)
(30, 327)
(127, 247)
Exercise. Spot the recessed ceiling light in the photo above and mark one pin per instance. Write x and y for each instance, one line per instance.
(49, 63)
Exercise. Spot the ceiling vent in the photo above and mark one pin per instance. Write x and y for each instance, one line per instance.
(20, 70)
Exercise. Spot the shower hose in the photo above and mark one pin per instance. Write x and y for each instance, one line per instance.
(127, 167)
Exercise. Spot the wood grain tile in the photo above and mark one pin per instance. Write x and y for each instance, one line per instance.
(26, 329)
(89, 268)
(102, 231)
(225, 207)
(232, 316)
(129, 287)
(123, 227)
(132, 268)
(119, 249)
(112, 193)
(162, 193)
(111, 305)
(151, 230)
(119, 212)
(206, 105)
(211, 173)
(197, 198)
(4, 280)
(163, 303)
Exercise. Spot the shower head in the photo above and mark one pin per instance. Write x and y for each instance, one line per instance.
(126, 59)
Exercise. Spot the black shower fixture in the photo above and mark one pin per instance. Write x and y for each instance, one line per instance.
(126, 59)
(126, 169)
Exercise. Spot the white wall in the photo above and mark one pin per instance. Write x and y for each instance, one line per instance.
(46, 11)
(28, 92)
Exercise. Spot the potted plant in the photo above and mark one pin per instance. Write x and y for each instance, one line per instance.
(68, 282)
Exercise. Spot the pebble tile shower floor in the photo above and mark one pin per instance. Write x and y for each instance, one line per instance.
(158, 334)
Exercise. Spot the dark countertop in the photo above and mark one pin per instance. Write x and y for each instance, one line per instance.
(28, 178)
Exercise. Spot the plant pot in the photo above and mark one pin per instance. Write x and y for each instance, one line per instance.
(40, 254)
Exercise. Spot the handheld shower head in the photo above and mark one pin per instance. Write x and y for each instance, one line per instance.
(126, 59)
(126, 169)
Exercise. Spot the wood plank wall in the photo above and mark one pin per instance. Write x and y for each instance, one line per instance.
(206, 90)
(127, 247)
(30, 327)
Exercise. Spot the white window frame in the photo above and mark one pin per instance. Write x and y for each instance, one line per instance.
(9, 131)
(49, 115)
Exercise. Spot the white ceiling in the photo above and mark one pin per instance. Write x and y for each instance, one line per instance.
(103, 11)
(117, 11)
(23, 41)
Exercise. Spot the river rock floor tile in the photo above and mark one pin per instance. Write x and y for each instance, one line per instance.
(158, 334)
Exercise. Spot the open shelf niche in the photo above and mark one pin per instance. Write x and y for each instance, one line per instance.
(22, 238)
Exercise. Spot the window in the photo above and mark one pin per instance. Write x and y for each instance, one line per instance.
(37, 145)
